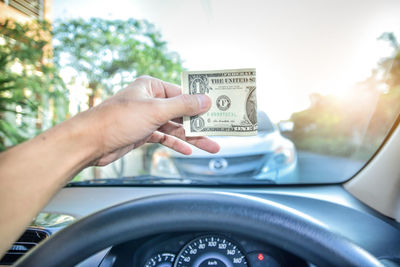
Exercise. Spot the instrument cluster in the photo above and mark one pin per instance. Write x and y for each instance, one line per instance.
(198, 250)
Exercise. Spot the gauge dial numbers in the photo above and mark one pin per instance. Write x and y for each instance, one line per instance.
(161, 260)
(211, 251)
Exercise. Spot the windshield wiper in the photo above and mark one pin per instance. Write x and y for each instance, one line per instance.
(144, 179)
(156, 180)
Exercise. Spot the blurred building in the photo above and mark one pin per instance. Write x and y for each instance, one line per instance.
(25, 10)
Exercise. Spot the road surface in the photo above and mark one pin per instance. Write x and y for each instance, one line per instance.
(329, 169)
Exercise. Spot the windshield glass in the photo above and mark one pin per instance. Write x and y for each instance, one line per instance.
(328, 81)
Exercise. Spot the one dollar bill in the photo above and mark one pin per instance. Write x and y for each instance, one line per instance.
(234, 105)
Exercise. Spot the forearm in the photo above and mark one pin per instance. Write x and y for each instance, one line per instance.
(31, 173)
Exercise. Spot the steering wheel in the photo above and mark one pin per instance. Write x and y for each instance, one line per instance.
(249, 216)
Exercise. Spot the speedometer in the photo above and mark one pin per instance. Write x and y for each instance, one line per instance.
(211, 251)
(160, 260)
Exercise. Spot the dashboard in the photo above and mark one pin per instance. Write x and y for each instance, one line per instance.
(198, 250)
(330, 205)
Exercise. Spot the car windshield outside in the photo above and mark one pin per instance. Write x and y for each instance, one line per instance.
(328, 80)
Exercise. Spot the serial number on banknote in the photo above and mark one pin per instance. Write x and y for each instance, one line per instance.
(234, 103)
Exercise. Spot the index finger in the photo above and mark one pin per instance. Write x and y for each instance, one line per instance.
(161, 89)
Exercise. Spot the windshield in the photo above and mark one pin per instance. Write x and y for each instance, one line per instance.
(328, 81)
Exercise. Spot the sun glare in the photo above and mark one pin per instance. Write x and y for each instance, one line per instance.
(295, 56)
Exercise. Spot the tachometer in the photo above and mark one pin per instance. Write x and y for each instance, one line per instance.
(211, 251)
(161, 260)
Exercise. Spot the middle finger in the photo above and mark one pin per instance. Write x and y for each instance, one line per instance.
(202, 142)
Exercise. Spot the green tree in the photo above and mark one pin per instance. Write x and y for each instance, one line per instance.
(345, 127)
(325, 127)
(392, 64)
(111, 53)
(29, 85)
(388, 105)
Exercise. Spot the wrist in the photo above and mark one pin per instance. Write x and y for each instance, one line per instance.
(84, 136)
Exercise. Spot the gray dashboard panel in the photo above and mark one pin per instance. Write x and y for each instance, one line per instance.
(82, 201)
(331, 205)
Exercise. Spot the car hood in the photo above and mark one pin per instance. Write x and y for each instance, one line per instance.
(239, 145)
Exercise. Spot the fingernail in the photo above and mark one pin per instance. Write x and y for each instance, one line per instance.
(204, 102)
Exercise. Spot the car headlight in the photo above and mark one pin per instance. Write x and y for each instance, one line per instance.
(275, 164)
(162, 165)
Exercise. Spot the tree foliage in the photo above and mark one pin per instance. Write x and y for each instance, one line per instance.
(108, 53)
(111, 53)
(356, 125)
(28, 81)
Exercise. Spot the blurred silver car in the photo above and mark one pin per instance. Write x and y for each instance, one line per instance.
(266, 156)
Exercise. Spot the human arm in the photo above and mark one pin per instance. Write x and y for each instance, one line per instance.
(32, 172)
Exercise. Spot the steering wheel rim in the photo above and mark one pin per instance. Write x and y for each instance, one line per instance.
(253, 217)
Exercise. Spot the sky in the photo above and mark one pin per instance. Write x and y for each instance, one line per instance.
(297, 47)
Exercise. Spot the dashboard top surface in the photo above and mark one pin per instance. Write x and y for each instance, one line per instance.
(330, 205)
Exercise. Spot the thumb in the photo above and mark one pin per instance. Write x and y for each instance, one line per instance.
(185, 105)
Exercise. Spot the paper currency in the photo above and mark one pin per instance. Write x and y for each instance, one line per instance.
(234, 107)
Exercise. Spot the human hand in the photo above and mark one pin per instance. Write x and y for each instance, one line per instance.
(147, 111)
